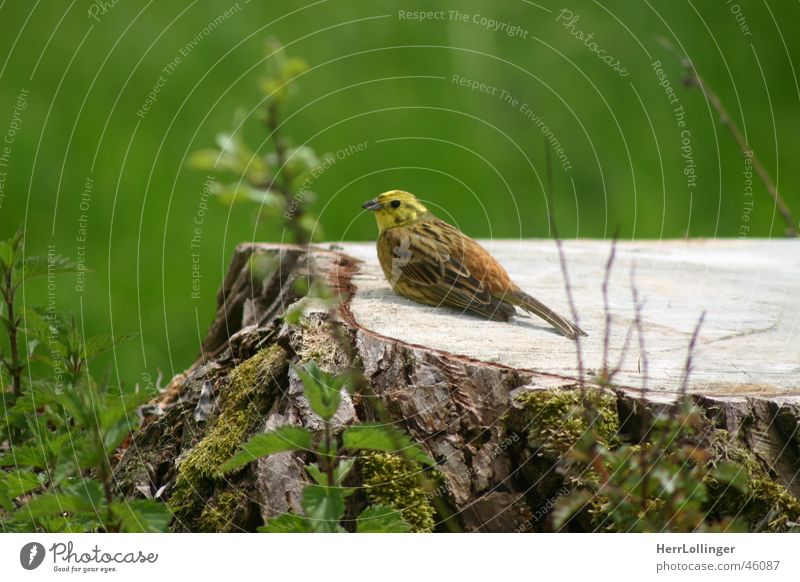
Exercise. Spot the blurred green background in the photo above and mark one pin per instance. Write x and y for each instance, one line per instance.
(85, 68)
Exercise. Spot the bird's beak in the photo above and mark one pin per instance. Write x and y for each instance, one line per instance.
(372, 205)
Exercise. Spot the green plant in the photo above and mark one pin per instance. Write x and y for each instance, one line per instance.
(676, 473)
(61, 477)
(278, 181)
(658, 484)
(75, 488)
(62, 426)
(324, 501)
(16, 269)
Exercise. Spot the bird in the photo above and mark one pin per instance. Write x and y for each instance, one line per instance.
(429, 261)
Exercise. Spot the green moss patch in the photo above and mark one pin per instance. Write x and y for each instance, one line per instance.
(763, 503)
(555, 420)
(392, 480)
(241, 406)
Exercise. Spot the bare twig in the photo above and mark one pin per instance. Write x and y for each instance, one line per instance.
(284, 184)
(588, 411)
(687, 369)
(637, 322)
(645, 462)
(623, 352)
(563, 262)
(606, 309)
(693, 79)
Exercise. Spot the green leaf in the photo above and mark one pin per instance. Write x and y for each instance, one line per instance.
(300, 163)
(231, 144)
(98, 344)
(6, 255)
(207, 160)
(342, 470)
(17, 483)
(6, 501)
(85, 496)
(114, 434)
(282, 439)
(40, 265)
(35, 324)
(324, 506)
(24, 456)
(317, 474)
(271, 202)
(731, 473)
(287, 523)
(322, 390)
(10, 250)
(386, 438)
(381, 519)
(142, 515)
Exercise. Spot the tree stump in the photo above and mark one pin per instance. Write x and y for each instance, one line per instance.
(453, 381)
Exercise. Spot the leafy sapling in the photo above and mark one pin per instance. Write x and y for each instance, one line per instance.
(62, 428)
(324, 501)
(277, 182)
(97, 418)
(15, 270)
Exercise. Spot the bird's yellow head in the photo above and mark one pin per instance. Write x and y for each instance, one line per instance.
(396, 208)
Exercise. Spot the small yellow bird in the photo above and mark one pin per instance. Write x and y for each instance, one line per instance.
(432, 262)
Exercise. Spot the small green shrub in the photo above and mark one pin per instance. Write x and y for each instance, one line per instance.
(324, 501)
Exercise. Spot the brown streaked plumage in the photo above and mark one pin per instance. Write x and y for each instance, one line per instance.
(430, 261)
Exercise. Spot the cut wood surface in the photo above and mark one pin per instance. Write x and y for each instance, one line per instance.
(749, 289)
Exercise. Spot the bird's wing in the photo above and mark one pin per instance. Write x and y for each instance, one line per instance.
(430, 260)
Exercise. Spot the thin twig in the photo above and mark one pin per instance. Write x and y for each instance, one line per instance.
(623, 352)
(687, 369)
(563, 262)
(284, 185)
(693, 79)
(637, 322)
(588, 411)
(675, 410)
(606, 309)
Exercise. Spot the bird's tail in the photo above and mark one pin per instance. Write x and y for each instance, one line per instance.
(531, 305)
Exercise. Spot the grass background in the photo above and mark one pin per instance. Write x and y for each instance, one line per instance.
(387, 81)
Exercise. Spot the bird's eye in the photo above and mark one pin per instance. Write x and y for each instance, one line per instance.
(395, 204)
